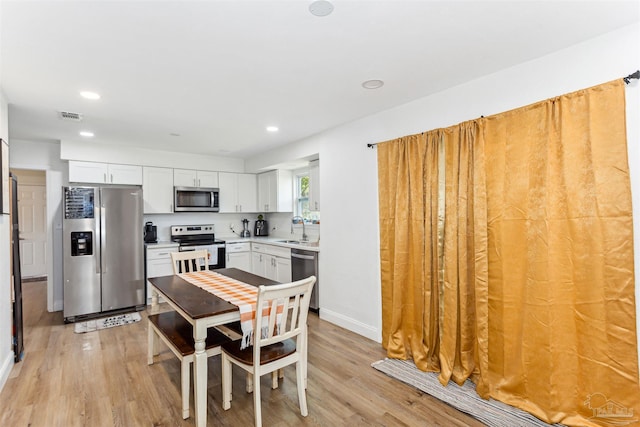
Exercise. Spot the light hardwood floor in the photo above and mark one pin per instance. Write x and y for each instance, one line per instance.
(102, 379)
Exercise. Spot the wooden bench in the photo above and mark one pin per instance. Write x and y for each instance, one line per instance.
(177, 334)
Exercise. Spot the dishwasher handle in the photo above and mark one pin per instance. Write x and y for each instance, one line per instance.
(300, 256)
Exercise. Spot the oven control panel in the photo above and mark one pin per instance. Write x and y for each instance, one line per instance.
(189, 230)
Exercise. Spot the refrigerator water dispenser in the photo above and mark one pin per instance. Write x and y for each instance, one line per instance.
(81, 243)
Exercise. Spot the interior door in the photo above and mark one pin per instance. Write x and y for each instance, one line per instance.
(32, 208)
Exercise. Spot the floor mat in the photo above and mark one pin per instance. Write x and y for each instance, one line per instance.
(106, 322)
(464, 398)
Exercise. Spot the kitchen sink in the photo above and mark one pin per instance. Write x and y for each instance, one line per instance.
(298, 242)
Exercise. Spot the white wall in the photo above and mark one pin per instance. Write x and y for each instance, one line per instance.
(349, 261)
(45, 156)
(6, 349)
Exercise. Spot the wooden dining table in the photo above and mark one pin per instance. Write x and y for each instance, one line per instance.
(203, 310)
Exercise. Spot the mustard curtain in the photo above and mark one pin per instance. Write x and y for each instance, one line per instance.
(562, 323)
(429, 301)
(507, 256)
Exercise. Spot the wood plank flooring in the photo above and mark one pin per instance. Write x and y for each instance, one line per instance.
(102, 379)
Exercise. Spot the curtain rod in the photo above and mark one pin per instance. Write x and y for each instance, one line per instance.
(627, 80)
(631, 76)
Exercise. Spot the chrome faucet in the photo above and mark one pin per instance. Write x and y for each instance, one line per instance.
(304, 231)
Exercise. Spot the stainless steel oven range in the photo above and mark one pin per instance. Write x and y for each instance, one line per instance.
(197, 237)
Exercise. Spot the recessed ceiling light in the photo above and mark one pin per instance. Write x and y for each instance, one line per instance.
(321, 8)
(272, 128)
(89, 95)
(86, 134)
(373, 84)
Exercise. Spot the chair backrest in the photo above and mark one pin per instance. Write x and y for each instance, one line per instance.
(287, 306)
(188, 261)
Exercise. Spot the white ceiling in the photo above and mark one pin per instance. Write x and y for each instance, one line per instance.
(218, 72)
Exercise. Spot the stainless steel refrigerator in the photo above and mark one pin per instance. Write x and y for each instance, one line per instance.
(103, 251)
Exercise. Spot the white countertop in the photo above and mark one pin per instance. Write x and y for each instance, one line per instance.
(277, 241)
(162, 244)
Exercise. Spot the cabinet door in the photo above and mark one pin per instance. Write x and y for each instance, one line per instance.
(207, 179)
(228, 184)
(283, 187)
(158, 264)
(314, 188)
(125, 174)
(157, 190)
(259, 264)
(266, 202)
(247, 192)
(89, 172)
(241, 260)
(184, 178)
(283, 269)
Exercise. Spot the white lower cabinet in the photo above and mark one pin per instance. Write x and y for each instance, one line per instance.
(158, 264)
(272, 262)
(239, 255)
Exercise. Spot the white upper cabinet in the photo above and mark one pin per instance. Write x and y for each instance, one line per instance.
(104, 173)
(275, 191)
(314, 187)
(195, 178)
(157, 190)
(238, 192)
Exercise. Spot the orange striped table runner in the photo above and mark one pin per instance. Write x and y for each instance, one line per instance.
(238, 293)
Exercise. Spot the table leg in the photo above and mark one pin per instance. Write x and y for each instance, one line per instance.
(200, 375)
(154, 300)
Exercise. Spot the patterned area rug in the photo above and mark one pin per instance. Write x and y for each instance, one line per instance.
(464, 398)
(106, 322)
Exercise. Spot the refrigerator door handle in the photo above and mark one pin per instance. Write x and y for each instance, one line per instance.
(103, 240)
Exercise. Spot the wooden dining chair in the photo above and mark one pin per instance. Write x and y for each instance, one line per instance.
(187, 261)
(284, 344)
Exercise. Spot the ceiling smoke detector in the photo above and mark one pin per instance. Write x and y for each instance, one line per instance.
(321, 8)
(74, 117)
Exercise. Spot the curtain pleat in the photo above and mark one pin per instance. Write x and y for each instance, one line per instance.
(507, 256)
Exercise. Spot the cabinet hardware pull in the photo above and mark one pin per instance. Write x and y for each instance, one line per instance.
(105, 177)
(112, 178)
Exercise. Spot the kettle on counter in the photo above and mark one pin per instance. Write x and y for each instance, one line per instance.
(150, 233)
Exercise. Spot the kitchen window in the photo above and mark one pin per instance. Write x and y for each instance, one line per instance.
(301, 207)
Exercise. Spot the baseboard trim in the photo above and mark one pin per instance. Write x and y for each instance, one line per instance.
(356, 326)
(5, 369)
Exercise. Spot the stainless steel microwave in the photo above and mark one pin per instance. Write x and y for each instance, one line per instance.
(196, 199)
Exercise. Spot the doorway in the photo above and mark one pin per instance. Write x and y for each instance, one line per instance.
(32, 221)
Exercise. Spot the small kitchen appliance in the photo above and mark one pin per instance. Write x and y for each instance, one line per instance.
(150, 233)
(261, 227)
(245, 232)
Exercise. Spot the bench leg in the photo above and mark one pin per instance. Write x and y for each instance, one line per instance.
(151, 344)
(185, 382)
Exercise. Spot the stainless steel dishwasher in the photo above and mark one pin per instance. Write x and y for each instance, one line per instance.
(304, 264)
